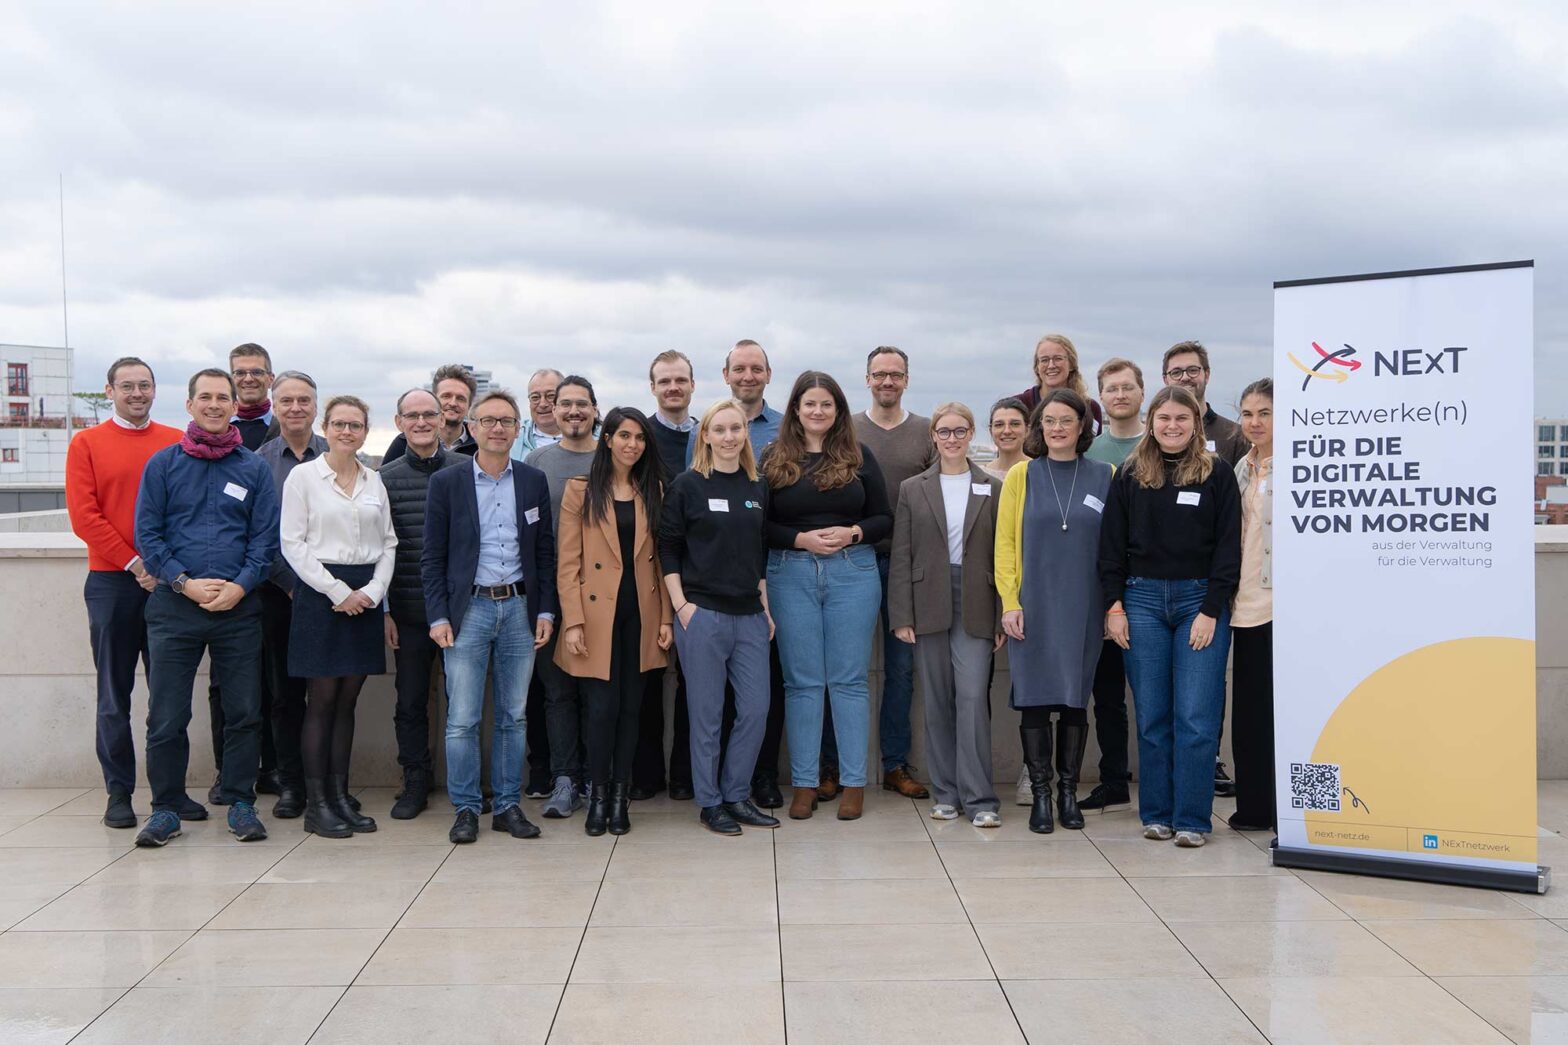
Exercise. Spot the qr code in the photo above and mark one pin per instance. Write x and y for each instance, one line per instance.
(1314, 785)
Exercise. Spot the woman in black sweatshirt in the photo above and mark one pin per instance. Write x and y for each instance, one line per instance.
(1170, 560)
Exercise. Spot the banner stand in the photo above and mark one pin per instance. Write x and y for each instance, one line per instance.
(1385, 867)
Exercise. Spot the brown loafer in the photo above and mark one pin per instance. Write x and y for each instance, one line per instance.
(899, 780)
(852, 803)
(828, 786)
(802, 803)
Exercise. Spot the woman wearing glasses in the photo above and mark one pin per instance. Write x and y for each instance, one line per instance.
(615, 612)
(1009, 427)
(1056, 366)
(337, 535)
(941, 600)
(1047, 541)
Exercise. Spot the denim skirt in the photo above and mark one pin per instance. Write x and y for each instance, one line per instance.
(324, 644)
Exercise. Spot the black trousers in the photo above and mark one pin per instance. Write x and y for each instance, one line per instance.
(648, 766)
(773, 731)
(416, 655)
(215, 706)
(284, 692)
(614, 706)
(1110, 714)
(117, 629)
(1252, 723)
(565, 711)
(538, 733)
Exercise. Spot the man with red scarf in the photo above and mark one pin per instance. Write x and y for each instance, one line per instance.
(207, 529)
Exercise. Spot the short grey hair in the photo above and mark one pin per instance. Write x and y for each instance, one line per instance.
(295, 375)
(545, 371)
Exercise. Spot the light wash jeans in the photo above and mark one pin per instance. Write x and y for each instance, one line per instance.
(494, 635)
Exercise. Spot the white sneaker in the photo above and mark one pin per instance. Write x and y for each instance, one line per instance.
(943, 812)
(1191, 839)
(1025, 796)
(1157, 832)
(986, 818)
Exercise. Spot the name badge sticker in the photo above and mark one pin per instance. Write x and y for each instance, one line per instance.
(1094, 502)
(1188, 497)
(981, 489)
(531, 516)
(235, 490)
(1208, 444)
(718, 504)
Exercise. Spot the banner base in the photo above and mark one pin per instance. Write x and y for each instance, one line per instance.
(1537, 881)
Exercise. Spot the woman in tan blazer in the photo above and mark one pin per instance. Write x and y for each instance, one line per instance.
(942, 599)
(615, 613)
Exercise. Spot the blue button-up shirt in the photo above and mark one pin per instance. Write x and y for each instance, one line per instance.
(280, 458)
(207, 518)
(500, 556)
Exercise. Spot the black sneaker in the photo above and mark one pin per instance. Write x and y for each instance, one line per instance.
(161, 826)
(118, 812)
(538, 787)
(750, 815)
(640, 793)
(1224, 786)
(215, 792)
(190, 809)
(465, 828)
(244, 824)
(267, 783)
(1103, 796)
(718, 820)
(512, 821)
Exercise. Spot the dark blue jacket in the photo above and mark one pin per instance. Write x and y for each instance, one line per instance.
(451, 554)
(207, 519)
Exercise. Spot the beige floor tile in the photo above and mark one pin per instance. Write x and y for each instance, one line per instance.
(681, 829)
(1249, 898)
(11, 823)
(425, 1015)
(91, 803)
(45, 1016)
(859, 860)
(1367, 899)
(748, 903)
(883, 952)
(1554, 904)
(1014, 828)
(1129, 1011)
(211, 865)
(1290, 949)
(176, 1015)
(409, 863)
(892, 825)
(1011, 901)
(473, 956)
(38, 867)
(282, 835)
(55, 832)
(443, 905)
(523, 861)
(1525, 1008)
(429, 828)
(688, 955)
(1024, 860)
(868, 901)
(965, 1012)
(1477, 948)
(105, 907)
(710, 861)
(20, 901)
(83, 959)
(1225, 854)
(319, 905)
(268, 958)
(25, 801)
(1392, 1009)
(670, 1014)
(1087, 951)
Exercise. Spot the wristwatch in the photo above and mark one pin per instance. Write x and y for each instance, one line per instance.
(179, 583)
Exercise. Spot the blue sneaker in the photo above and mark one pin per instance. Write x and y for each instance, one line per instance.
(160, 827)
(244, 824)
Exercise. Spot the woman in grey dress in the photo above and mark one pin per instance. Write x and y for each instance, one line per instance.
(1047, 573)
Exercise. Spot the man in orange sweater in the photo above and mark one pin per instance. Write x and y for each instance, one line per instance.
(103, 472)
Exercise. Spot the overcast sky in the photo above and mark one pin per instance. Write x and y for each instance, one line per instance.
(371, 190)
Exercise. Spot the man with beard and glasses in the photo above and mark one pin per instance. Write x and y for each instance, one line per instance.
(454, 387)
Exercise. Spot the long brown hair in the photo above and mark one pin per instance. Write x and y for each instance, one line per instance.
(785, 458)
(1146, 463)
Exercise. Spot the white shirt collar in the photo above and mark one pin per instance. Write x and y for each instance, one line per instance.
(123, 423)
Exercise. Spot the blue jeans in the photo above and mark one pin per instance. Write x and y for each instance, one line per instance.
(496, 635)
(824, 607)
(898, 692)
(1179, 698)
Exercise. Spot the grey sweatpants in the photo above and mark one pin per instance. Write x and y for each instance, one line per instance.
(954, 670)
(716, 646)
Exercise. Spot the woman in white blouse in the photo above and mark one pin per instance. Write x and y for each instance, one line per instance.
(337, 535)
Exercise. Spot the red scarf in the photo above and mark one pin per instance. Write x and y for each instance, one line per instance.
(250, 413)
(204, 446)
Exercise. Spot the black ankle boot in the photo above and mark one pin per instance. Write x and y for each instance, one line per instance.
(1037, 756)
(598, 817)
(415, 796)
(291, 799)
(337, 798)
(620, 802)
(320, 818)
(1070, 741)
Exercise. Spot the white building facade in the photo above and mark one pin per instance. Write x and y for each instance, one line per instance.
(33, 429)
(1551, 446)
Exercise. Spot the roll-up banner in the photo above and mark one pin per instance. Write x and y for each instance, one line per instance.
(1404, 575)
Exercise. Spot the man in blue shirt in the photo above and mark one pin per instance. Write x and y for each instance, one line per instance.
(207, 528)
(488, 567)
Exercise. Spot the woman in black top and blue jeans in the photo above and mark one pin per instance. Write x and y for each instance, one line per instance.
(1170, 560)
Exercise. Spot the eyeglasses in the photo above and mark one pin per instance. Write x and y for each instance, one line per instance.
(1057, 422)
(428, 416)
(888, 375)
(487, 423)
(1119, 390)
(126, 387)
(1050, 361)
(1177, 373)
(541, 397)
(251, 373)
(953, 433)
(346, 426)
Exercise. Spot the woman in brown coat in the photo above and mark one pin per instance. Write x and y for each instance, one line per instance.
(615, 613)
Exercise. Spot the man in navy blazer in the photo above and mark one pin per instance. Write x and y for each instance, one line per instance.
(488, 568)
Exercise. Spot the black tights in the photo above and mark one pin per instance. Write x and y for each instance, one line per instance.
(1040, 717)
(327, 740)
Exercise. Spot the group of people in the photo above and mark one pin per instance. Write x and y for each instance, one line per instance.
(573, 563)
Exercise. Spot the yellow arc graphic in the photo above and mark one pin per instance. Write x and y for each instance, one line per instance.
(1327, 375)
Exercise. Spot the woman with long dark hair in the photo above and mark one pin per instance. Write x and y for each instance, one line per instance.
(336, 533)
(1170, 560)
(615, 613)
(1252, 619)
(827, 507)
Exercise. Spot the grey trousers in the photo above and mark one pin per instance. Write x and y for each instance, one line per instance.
(954, 670)
(714, 647)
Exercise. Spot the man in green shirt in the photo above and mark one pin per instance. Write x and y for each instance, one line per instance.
(1121, 399)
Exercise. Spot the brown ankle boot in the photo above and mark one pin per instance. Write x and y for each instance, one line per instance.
(802, 803)
(827, 785)
(851, 803)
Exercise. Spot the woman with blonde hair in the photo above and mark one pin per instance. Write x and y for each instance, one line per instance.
(1056, 366)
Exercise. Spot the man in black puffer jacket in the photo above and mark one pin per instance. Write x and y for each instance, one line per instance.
(408, 633)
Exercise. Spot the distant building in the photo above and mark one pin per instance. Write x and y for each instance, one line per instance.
(33, 429)
(485, 379)
(1551, 500)
(1551, 446)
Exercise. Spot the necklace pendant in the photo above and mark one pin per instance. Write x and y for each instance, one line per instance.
(1064, 527)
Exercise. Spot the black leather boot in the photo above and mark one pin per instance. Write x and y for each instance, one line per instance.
(415, 796)
(337, 798)
(1070, 741)
(1037, 756)
(291, 799)
(320, 817)
(598, 817)
(620, 814)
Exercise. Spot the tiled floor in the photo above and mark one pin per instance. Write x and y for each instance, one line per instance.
(895, 928)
